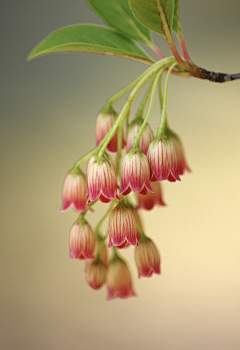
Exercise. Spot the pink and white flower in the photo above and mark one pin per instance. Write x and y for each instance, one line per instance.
(104, 124)
(119, 282)
(147, 258)
(75, 191)
(101, 181)
(162, 160)
(122, 227)
(145, 139)
(149, 201)
(96, 274)
(135, 173)
(81, 241)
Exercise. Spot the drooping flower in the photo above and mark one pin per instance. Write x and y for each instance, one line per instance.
(182, 165)
(122, 227)
(135, 173)
(96, 274)
(75, 191)
(149, 201)
(81, 241)
(104, 123)
(145, 139)
(147, 258)
(119, 283)
(101, 181)
(162, 160)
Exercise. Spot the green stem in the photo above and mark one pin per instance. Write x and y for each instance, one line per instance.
(101, 247)
(144, 101)
(164, 106)
(122, 92)
(126, 108)
(105, 216)
(119, 148)
(154, 85)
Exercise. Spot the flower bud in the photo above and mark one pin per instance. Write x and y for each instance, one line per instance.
(119, 283)
(75, 191)
(145, 139)
(135, 173)
(101, 181)
(147, 258)
(162, 160)
(96, 274)
(122, 227)
(149, 201)
(104, 124)
(81, 241)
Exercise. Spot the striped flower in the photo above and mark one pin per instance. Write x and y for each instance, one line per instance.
(101, 181)
(104, 124)
(147, 258)
(96, 274)
(145, 139)
(119, 282)
(162, 160)
(135, 173)
(81, 241)
(149, 201)
(75, 191)
(122, 227)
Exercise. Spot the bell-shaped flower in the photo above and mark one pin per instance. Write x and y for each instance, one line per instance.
(145, 139)
(81, 241)
(151, 200)
(96, 274)
(75, 191)
(182, 165)
(147, 258)
(101, 181)
(122, 227)
(104, 124)
(119, 282)
(135, 173)
(162, 160)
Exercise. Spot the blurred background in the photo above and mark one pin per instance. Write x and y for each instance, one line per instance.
(48, 111)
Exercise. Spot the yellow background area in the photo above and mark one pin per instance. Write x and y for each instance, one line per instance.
(48, 111)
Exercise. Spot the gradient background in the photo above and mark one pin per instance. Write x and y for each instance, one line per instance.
(48, 110)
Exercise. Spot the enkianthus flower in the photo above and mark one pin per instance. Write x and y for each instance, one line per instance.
(162, 160)
(119, 282)
(149, 201)
(122, 227)
(147, 258)
(75, 191)
(81, 241)
(101, 181)
(145, 139)
(135, 173)
(96, 274)
(104, 124)
(182, 165)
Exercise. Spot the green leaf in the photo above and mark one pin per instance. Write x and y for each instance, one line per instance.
(117, 14)
(90, 38)
(147, 13)
(175, 17)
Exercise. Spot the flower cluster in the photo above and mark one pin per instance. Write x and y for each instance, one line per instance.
(138, 163)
